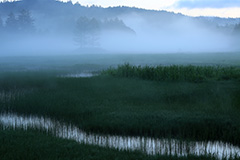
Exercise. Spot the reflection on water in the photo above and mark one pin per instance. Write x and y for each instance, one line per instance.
(147, 145)
(78, 75)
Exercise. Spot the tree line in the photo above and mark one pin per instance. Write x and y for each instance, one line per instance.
(237, 28)
(88, 30)
(21, 23)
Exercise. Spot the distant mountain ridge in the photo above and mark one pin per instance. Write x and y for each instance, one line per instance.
(53, 7)
(125, 29)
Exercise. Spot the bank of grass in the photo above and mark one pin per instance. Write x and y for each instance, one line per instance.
(29, 145)
(125, 106)
(188, 73)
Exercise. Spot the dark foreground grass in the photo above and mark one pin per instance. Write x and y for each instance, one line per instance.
(177, 109)
(22, 145)
(176, 73)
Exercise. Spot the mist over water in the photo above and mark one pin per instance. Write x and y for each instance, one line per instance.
(114, 30)
(50, 47)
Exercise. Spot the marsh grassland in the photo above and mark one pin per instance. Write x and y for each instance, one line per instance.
(183, 99)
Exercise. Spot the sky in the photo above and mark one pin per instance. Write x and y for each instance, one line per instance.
(216, 8)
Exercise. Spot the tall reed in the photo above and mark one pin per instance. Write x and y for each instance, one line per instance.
(175, 72)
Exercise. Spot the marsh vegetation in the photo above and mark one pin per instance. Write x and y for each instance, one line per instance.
(146, 145)
(131, 101)
(88, 82)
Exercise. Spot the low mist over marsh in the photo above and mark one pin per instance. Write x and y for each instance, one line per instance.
(88, 82)
(53, 27)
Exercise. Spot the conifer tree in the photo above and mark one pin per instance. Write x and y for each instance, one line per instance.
(87, 32)
(11, 23)
(25, 21)
(1, 24)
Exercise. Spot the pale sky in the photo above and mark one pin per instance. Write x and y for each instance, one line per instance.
(219, 8)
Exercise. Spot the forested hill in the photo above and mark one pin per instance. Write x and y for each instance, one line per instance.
(57, 8)
(54, 7)
(44, 12)
(121, 29)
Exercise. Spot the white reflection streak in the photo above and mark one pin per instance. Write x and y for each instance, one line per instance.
(78, 75)
(147, 145)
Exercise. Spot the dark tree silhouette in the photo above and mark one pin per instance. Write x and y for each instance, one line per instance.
(11, 23)
(1, 28)
(25, 22)
(87, 32)
(116, 24)
(237, 28)
(1, 24)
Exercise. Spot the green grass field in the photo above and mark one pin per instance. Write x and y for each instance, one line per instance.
(185, 102)
(22, 145)
(200, 111)
(188, 73)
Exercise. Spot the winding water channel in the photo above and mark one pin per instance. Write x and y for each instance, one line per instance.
(147, 145)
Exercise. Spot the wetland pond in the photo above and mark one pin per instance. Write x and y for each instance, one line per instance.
(79, 75)
(147, 145)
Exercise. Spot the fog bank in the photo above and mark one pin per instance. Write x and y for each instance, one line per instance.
(29, 30)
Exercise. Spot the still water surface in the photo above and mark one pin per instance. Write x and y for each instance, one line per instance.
(79, 75)
(147, 145)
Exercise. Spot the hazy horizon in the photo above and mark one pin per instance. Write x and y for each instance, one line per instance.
(194, 8)
(43, 27)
